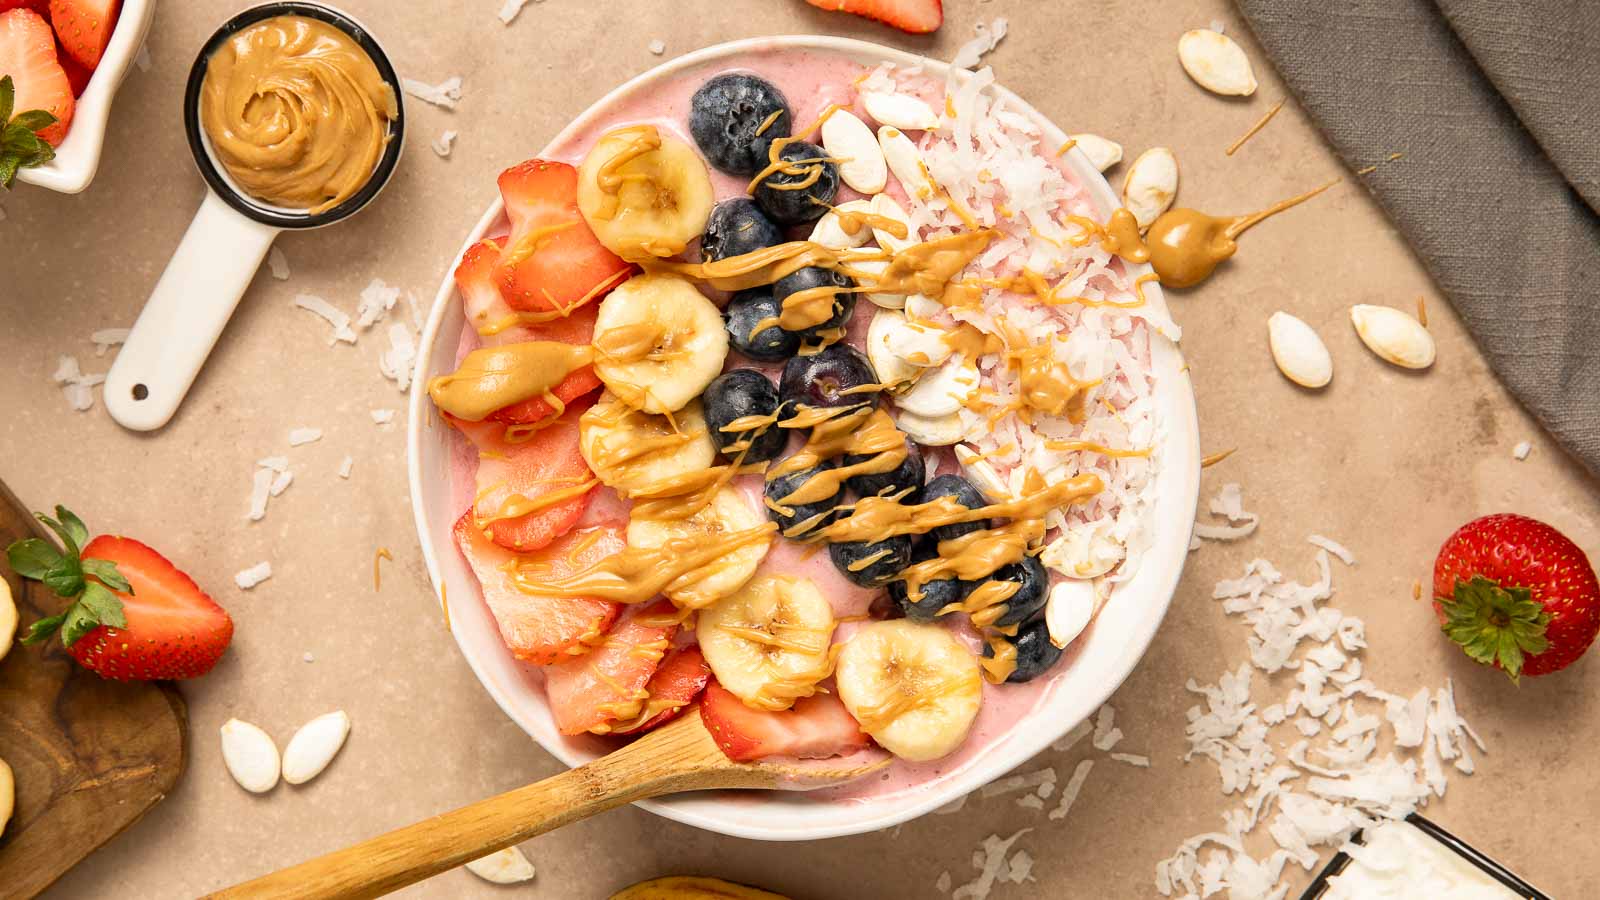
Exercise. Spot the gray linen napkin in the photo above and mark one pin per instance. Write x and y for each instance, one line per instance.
(1495, 105)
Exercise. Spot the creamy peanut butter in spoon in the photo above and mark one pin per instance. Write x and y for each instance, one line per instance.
(296, 112)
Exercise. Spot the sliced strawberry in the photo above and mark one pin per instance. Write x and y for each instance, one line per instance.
(539, 629)
(174, 630)
(514, 472)
(681, 678)
(608, 682)
(77, 75)
(552, 261)
(42, 7)
(912, 16)
(28, 55)
(85, 27)
(816, 727)
(579, 384)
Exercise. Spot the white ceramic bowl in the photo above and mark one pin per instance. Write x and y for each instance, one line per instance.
(1105, 654)
(78, 157)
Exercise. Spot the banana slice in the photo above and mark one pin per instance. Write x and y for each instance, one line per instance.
(629, 450)
(829, 231)
(885, 206)
(912, 686)
(644, 194)
(658, 342)
(886, 365)
(941, 391)
(7, 795)
(730, 510)
(930, 431)
(768, 643)
(8, 618)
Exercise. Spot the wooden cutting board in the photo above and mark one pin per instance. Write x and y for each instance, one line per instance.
(90, 756)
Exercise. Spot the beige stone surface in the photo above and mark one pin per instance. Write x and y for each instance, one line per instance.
(1386, 461)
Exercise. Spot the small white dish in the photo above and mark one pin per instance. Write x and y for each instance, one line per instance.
(78, 158)
(1105, 654)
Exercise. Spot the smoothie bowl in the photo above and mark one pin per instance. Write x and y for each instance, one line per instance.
(802, 394)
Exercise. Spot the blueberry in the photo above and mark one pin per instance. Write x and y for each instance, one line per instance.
(812, 278)
(733, 395)
(908, 474)
(725, 114)
(821, 380)
(746, 311)
(803, 518)
(1035, 654)
(965, 494)
(1027, 604)
(796, 205)
(936, 594)
(872, 564)
(736, 227)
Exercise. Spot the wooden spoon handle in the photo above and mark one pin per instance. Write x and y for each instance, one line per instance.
(667, 761)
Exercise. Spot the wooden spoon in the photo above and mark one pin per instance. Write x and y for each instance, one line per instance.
(680, 756)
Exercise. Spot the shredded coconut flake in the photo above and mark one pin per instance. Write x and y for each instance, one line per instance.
(443, 144)
(308, 657)
(1334, 547)
(106, 338)
(278, 264)
(991, 859)
(382, 416)
(1069, 794)
(275, 463)
(1013, 783)
(260, 490)
(1072, 737)
(1106, 734)
(377, 299)
(1350, 785)
(300, 436)
(988, 38)
(77, 387)
(509, 10)
(395, 363)
(143, 60)
(942, 883)
(281, 482)
(345, 466)
(249, 578)
(444, 94)
(1521, 450)
(333, 315)
(658, 47)
(1132, 759)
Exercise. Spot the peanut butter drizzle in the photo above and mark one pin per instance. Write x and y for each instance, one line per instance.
(1062, 150)
(987, 602)
(880, 518)
(862, 432)
(644, 139)
(1102, 449)
(925, 687)
(639, 574)
(810, 168)
(976, 556)
(1186, 245)
(1001, 663)
(1260, 124)
(492, 378)
(530, 243)
(851, 222)
(518, 505)
(1208, 461)
(926, 268)
(1121, 237)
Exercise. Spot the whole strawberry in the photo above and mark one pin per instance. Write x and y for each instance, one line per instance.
(1516, 594)
(133, 615)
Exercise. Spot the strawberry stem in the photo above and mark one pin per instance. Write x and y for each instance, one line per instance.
(1495, 625)
(67, 575)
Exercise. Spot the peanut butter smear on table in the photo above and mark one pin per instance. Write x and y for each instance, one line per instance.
(296, 112)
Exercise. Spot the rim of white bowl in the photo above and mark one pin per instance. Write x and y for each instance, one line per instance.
(1178, 482)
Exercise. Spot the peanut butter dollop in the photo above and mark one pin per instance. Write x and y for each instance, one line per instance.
(494, 377)
(296, 112)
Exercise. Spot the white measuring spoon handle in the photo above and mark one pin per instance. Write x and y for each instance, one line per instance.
(185, 315)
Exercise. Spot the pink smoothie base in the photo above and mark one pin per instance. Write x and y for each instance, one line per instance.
(1014, 721)
(810, 83)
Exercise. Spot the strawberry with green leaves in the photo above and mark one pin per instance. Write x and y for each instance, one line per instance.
(1516, 594)
(133, 616)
